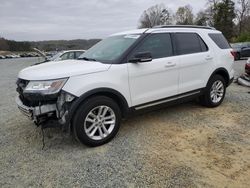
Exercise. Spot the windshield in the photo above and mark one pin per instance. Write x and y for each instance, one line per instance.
(110, 48)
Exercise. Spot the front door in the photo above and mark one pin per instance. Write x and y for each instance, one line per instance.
(158, 79)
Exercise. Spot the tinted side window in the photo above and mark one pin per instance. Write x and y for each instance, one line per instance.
(219, 40)
(71, 55)
(159, 45)
(77, 54)
(64, 56)
(204, 47)
(68, 55)
(188, 43)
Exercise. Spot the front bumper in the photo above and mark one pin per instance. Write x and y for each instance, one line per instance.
(34, 113)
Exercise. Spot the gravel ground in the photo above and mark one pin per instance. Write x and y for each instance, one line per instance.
(180, 146)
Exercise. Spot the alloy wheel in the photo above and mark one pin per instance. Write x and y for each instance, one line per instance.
(100, 122)
(217, 91)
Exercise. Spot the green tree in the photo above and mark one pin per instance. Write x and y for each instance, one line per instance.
(223, 17)
(242, 13)
(201, 18)
(243, 37)
(155, 15)
(4, 44)
(184, 15)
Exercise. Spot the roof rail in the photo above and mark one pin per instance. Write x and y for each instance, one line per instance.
(184, 26)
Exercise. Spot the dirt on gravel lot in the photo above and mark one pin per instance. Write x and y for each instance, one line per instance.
(181, 146)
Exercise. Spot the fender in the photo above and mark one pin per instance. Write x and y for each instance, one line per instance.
(115, 95)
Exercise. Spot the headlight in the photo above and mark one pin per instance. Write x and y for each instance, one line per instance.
(46, 87)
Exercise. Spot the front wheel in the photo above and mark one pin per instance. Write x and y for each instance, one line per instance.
(214, 92)
(97, 121)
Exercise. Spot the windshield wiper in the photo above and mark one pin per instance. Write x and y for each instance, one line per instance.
(86, 59)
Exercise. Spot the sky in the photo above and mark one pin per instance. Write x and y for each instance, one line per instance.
(33, 20)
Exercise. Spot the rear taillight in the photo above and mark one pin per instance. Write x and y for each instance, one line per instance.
(233, 54)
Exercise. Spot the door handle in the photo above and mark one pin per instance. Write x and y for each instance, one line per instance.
(209, 58)
(170, 64)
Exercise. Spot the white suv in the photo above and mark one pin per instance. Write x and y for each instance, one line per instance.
(124, 73)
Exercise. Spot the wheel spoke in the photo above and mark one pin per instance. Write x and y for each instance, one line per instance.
(90, 120)
(90, 127)
(215, 98)
(219, 85)
(104, 112)
(93, 132)
(105, 129)
(100, 132)
(100, 110)
(109, 122)
(92, 115)
(109, 117)
(220, 94)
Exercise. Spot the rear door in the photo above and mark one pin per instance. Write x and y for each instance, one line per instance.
(195, 61)
(158, 79)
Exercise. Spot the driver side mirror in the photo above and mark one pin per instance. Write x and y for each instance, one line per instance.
(141, 57)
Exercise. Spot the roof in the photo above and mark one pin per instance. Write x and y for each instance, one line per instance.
(168, 27)
(185, 26)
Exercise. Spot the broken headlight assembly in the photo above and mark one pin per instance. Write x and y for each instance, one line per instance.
(46, 87)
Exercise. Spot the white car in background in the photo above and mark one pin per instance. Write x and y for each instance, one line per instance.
(65, 55)
(2, 57)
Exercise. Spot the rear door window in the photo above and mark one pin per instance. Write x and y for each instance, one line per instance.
(188, 43)
(219, 40)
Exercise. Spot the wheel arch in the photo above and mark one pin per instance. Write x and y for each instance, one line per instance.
(108, 92)
(223, 72)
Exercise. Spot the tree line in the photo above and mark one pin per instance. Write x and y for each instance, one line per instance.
(230, 17)
(11, 45)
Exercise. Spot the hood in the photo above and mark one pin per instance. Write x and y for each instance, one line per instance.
(62, 69)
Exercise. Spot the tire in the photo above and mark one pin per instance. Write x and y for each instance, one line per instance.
(211, 98)
(99, 114)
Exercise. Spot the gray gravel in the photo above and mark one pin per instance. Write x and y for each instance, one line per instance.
(180, 146)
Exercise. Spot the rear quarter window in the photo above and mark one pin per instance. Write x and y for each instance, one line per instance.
(188, 43)
(219, 40)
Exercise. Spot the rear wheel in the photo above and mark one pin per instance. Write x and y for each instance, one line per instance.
(97, 121)
(214, 92)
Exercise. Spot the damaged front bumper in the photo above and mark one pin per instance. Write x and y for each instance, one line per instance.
(48, 114)
(33, 112)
